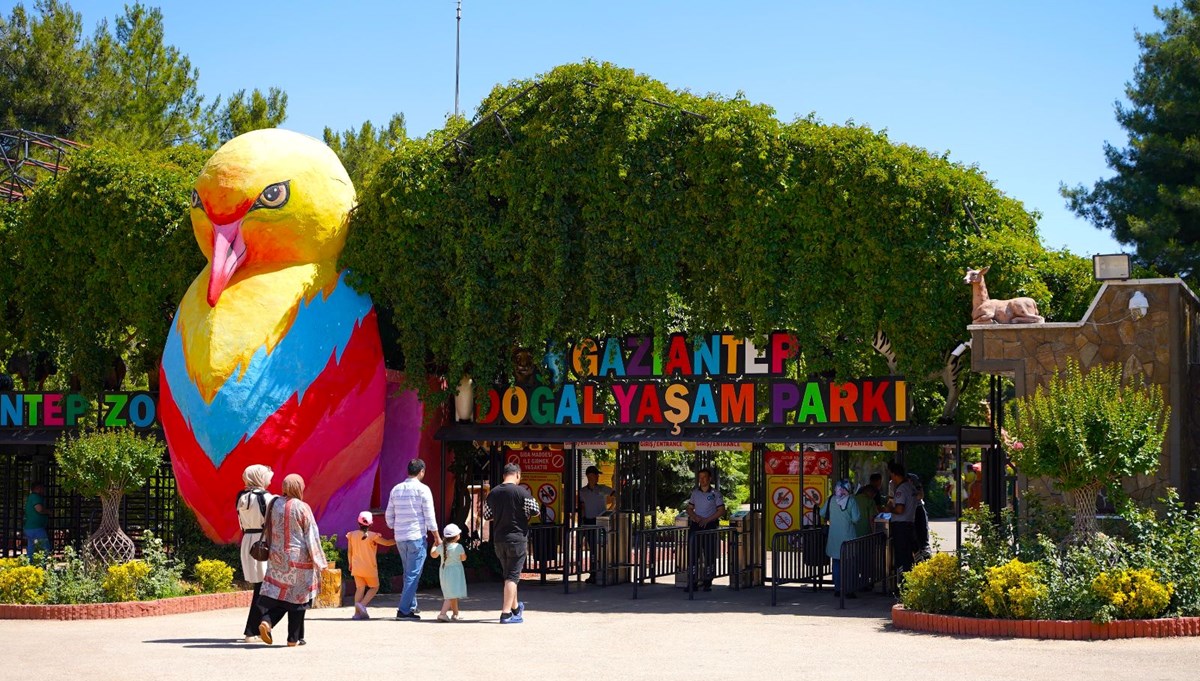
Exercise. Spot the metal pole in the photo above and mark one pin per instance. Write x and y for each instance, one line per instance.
(457, 51)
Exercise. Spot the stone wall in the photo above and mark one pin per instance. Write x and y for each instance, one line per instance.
(1160, 346)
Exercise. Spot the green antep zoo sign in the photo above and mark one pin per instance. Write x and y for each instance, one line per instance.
(713, 380)
(71, 410)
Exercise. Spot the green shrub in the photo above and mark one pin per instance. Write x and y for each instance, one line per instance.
(71, 580)
(1013, 590)
(1135, 594)
(166, 573)
(123, 581)
(213, 576)
(22, 584)
(1169, 545)
(930, 585)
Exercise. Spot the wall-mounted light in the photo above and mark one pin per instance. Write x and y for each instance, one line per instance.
(1138, 305)
(1111, 266)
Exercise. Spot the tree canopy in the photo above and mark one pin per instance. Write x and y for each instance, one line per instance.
(1153, 200)
(124, 86)
(364, 150)
(593, 200)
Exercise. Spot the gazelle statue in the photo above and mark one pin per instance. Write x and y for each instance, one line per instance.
(984, 310)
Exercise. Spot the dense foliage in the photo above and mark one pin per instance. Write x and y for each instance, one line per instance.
(1088, 430)
(213, 576)
(593, 200)
(110, 461)
(103, 257)
(363, 151)
(1153, 200)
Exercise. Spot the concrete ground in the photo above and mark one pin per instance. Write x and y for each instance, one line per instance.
(593, 632)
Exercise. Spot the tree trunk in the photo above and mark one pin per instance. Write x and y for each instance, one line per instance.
(1084, 501)
(109, 545)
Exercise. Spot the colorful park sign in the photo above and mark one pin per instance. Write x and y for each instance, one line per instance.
(716, 380)
(50, 410)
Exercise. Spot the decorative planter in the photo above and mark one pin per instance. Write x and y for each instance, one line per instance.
(1072, 630)
(330, 595)
(103, 611)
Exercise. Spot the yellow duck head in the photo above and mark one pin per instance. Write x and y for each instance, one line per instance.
(266, 199)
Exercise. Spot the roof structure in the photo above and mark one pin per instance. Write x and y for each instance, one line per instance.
(26, 156)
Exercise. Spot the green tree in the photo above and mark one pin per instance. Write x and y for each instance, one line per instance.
(243, 114)
(593, 200)
(1153, 200)
(364, 150)
(108, 464)
(1086, 431)
(44, 82)
(104, 255)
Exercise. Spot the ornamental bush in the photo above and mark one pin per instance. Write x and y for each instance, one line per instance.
(213, 576)
(1014, 589)
(930, 585)
(21, 584)
(123, 581)
(1135, 594)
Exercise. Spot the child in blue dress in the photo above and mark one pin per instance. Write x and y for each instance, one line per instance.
(454, 580)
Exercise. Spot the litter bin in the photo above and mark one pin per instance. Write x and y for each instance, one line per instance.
(749, 527)
(618, 528)
(681, 556)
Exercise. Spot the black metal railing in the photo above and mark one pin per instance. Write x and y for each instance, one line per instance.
(659, 552)
(799, 557)
(713, 553)
(863, 563)
(588, 545)
(545, 555)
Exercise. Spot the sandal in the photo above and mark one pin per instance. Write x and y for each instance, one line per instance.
(443, 617)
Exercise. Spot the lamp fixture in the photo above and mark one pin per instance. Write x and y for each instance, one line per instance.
(1110, 266)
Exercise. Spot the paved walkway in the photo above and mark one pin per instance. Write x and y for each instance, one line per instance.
(591, 633)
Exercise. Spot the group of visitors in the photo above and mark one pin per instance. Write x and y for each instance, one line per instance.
(288, 580)
(850, 516)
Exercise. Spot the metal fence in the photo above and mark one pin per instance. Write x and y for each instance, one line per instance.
(799, 557)
(863, 563)
(700, 556)
(713, 553)
(659, 552)
(568, 552)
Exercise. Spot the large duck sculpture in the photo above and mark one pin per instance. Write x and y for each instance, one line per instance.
(272, 358)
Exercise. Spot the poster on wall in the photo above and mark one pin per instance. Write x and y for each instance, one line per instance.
(542, 477)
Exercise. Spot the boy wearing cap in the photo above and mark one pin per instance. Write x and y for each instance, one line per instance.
(360, 545)
(593, 501)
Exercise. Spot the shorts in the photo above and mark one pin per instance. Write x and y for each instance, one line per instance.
(369, 581)
(512, 559)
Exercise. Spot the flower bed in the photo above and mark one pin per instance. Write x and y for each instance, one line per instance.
(1071, 630)
(96, 611)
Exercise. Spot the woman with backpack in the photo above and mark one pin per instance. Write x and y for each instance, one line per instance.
(252, 513)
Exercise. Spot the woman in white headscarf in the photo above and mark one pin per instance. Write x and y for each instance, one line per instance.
(841, 512)
(252, 505)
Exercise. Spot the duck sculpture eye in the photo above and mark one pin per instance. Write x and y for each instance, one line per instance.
(274, 196)
(196, 202)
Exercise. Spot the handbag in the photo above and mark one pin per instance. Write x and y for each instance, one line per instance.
(261, 549)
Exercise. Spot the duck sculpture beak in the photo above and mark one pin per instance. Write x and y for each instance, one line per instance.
(228, 253)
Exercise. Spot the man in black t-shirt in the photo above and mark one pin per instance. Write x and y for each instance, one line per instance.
(510, 506)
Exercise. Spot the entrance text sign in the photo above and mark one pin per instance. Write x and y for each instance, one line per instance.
(712, 380)
(71, 410)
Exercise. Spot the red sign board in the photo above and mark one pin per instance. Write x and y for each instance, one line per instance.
(788, 463)
(537, 461)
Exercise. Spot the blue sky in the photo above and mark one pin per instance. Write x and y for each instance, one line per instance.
(1023, 89)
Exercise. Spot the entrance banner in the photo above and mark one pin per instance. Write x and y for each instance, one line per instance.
(679, 445)
(542, 477)
(867, 446)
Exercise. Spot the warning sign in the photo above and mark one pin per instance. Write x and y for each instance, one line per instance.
(783, 497)
(547, 494)
(542, 475)
(783, 521)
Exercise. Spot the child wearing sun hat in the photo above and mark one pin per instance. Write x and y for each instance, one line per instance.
(454, 579)
(361, 547)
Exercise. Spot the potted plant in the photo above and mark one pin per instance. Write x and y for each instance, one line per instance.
(330, 595)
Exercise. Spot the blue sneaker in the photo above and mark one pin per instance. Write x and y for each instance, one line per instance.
(512, 619)
(520, 609)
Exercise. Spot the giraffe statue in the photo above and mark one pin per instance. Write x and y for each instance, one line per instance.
(985, 310)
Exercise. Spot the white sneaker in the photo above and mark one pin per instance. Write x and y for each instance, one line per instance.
(250, 639)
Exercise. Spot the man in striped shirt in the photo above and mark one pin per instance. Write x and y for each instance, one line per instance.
(410, 514)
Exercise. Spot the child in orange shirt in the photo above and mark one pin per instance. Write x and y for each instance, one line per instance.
(361, 545)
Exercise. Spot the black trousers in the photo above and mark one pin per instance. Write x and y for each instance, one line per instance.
(272, 611)
(255, 615)
(903, 545)
(706, 548)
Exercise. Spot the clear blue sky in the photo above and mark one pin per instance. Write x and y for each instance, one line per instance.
(1024, 89)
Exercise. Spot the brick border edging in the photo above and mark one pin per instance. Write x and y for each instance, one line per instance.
(1068, 630)
(103, 611)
